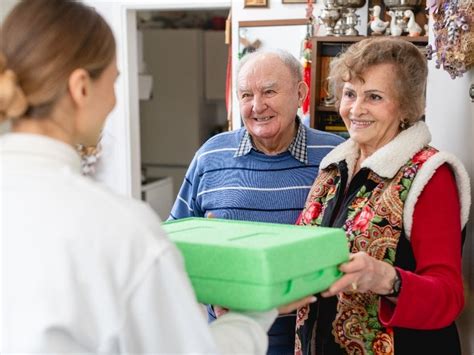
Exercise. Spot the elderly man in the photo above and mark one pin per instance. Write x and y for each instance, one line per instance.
(263, 171)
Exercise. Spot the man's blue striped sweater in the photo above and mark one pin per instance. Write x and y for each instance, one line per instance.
(253, 187)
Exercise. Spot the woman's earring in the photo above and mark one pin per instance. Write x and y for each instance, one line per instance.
(403, 124)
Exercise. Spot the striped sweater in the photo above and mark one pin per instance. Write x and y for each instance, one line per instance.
(253, 187)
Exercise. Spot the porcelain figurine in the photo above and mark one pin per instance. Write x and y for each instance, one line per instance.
(413, 29)
(376, 24)
(395, 29)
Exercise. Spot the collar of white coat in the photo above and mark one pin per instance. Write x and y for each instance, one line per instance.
(43, 147)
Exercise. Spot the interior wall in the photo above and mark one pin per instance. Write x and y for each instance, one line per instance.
(7, 5)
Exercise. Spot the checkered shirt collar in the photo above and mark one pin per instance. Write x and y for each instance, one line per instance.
(297, 148)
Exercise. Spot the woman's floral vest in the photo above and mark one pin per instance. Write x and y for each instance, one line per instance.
(374, 224)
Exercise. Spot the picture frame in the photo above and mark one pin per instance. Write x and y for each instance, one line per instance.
(296, 1)
(255, 3)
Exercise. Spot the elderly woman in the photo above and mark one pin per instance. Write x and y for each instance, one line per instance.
(402, 204)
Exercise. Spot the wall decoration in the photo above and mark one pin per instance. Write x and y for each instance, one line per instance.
(255, 3)
(305, 58)
(454, 35)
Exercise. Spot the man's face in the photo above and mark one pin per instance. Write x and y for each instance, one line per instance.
(269, 98)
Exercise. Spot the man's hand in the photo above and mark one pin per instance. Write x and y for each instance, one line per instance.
(220, 311)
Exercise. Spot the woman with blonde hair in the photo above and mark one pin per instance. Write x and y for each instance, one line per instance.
(84, 270)
(402, 204)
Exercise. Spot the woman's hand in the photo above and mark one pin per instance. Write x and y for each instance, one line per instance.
(363, 273)
(290, 307)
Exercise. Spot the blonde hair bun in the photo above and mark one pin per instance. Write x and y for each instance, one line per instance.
(13, 102)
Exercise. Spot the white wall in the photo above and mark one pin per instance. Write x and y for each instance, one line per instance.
(5, 8)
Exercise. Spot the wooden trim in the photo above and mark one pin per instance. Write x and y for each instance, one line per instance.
(421, 39)
(283, 22)
(350, 39)
(339, 39)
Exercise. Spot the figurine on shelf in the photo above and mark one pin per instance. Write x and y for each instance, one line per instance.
(328, 17)
(395, 29)
(376, 24)
(339, 27)
(413, 29)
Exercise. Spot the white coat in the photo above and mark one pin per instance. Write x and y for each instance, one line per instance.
(87, 271)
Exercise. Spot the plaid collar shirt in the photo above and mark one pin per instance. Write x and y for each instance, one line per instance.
(297, 148)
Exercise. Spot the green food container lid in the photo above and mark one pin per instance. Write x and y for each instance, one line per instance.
(253, 266)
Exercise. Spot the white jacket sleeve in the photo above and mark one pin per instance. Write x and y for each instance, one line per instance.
(234, 334)
(163, 316)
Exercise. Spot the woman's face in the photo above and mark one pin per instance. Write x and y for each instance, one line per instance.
(102, 101)
(370, 108)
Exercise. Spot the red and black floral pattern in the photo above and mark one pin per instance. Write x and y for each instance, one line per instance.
(374, 222)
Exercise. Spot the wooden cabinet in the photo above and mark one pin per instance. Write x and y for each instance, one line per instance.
(322, 111)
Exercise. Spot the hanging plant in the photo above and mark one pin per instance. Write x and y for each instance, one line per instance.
(454, 35)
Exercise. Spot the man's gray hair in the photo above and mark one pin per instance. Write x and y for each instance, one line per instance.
(286, 57)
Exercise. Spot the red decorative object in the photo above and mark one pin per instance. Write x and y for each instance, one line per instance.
(306, 61)
(306, 48)
(228, 79)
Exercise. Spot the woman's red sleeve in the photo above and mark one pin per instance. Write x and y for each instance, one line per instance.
(432, 296)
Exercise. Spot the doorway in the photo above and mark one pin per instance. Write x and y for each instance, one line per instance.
(181, 58)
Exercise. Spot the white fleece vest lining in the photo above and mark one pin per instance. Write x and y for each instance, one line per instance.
(387, 160)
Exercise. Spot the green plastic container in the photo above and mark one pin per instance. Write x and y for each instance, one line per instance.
(254, 266)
